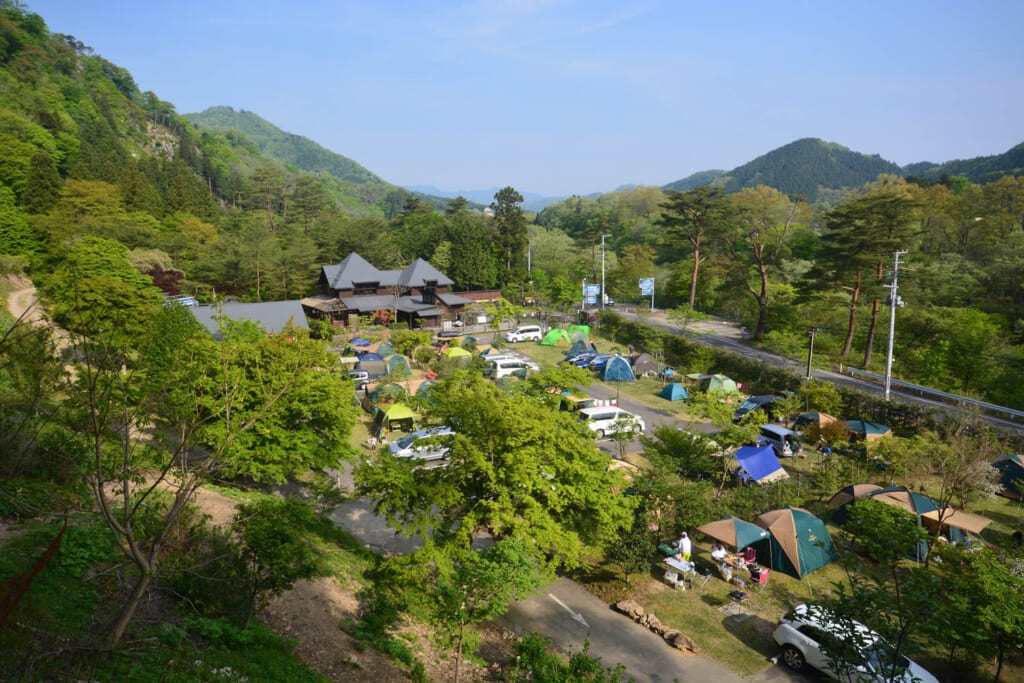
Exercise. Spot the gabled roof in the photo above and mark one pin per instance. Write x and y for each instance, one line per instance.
(419, 272)
(453, 299)
(353, 268)
(271, 316)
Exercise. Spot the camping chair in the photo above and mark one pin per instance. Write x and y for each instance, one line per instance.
(700, 577)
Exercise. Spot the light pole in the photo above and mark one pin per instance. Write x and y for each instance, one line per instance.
(894, 301)
(603, 297)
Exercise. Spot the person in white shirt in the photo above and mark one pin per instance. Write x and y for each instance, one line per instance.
(685, 547)
(718, 552)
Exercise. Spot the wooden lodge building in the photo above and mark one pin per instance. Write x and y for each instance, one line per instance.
(418, 294)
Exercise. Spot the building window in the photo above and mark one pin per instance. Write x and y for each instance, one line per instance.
(364, 288)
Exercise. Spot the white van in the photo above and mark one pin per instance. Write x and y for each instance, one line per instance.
(786, 442)
(505, 368)
(524, 333)
(611, 419)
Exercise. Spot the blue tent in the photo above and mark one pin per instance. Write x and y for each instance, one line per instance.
(359, 341)
(579, 346)
(618, 370)
(674, 391)
(758, 463)
(370, 356)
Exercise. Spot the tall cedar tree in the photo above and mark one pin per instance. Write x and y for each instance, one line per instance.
(687, 218)
(511, 234)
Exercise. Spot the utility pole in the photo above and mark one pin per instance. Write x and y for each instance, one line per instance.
(894, 301)
(603, 297)
(810, 350)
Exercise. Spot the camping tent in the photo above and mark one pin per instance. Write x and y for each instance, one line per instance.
(373, 365)
(799, 542)
(955, 519)
(359, 341)
(456, 352)
(579, 346)
(866, 430)
(805, 419)
(1011, 475)
(759, 464)
(579, 332)
(916, 504)
(468, 341)
(674, 391)
(712, 382)
(734, 532)
(645, 365)
(852, 493)
(556, 337)
(397, 362)
(617, 370)
(385, 349)
(394, 416)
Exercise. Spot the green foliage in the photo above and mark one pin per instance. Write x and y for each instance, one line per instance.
(534, 662)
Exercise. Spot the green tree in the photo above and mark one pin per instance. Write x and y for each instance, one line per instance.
(276, 554)
(516, 469)
(42, 186)
(687, 218)
(637, 261)
(510, 233)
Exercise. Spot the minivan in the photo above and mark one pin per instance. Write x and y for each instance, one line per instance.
(611, 419)
(786, 442)
(754, 403)
(524, 333)
(505, 368)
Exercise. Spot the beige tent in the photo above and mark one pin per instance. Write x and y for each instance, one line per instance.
(956, 518)
(852, 493)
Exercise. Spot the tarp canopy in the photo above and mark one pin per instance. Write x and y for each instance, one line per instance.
(556, 337)
(916, 504)
(867, 430)
(957, 519)
(805, 419)
(645, 364)
(1011, 475)
(734, 532)
(397, 363)
(851, 493)
(760, 464)
(799, 542)
(674, 391)
(617, 370)
(456, 352)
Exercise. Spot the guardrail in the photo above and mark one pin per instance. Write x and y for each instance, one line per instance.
(935, 392)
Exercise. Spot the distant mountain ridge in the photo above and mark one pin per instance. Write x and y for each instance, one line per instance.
(303, 153)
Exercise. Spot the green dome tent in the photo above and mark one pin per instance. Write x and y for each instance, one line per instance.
(556, 337)
(799, 542)
(734, 532)
(674, 391)
(717, 383)
(577, 332)
(456, 352)
(468, 341)
(385, 349)
(394, 416)
(865, 430)
(397, 362)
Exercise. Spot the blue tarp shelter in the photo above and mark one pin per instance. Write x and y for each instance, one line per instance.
(618, 370)
(759, 464)
(674, 391)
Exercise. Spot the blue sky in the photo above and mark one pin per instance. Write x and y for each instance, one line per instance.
(564, 96)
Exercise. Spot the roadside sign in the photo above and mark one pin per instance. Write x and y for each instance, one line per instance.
(591, 290)
(647, 283)
(590, 300)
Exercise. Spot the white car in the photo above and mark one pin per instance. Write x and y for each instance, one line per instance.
(424, 444)
(508, 367)
(524, 333)
(842, 649)
(611, 419)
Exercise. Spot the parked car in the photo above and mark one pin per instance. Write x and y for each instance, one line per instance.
(424, 444)
(611, 419)
(786, 442)
(582, 359)
(505, 368)
(598, 362)
(524, 333)
(842, 649)
(360, 377)
(755, 402)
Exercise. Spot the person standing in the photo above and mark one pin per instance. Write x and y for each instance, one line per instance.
(685, 547)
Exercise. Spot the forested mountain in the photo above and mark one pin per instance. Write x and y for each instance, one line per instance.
(350, 179)
(695, 180)
(977, 170)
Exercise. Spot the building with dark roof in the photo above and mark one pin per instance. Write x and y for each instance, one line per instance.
(271, 316)
(418, 294)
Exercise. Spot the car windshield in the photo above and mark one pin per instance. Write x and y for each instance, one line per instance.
(406, 441)
(883, 658)
(749, 405)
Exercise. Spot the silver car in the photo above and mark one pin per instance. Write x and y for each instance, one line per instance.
(424, 444)
(841, 648)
